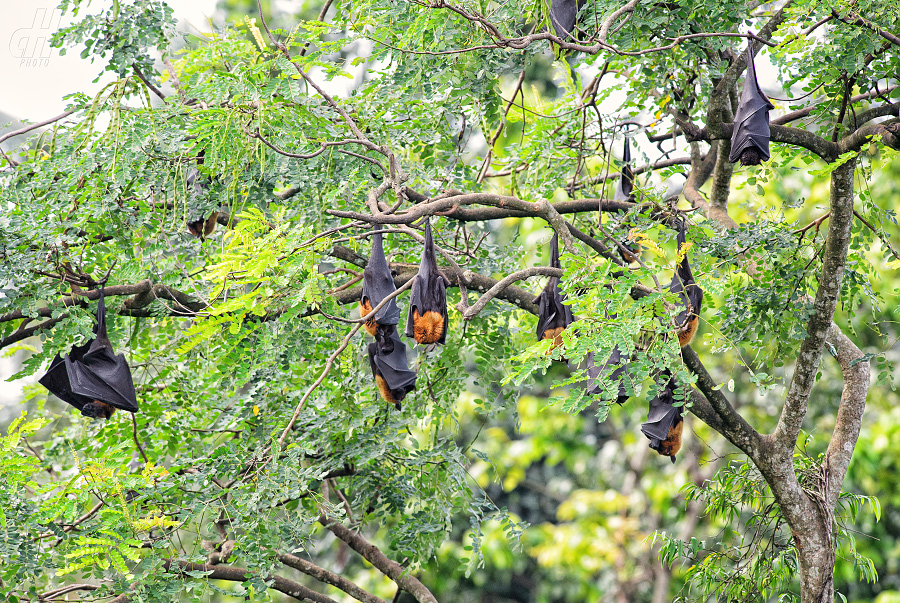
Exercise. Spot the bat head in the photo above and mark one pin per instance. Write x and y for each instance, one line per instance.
(672, 444)
(97, 410)
(751, 156)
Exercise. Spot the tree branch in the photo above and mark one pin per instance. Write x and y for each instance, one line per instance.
(373, 555)
(849, 417)
(730, 423)
(834, 259)
(323, 575)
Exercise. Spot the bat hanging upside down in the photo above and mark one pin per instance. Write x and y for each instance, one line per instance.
(665, 423)
(387, 354)
(553, 315)
(427, 320)
(690, 295)
(92, 377)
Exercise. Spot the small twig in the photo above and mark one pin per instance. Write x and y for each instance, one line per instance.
(815, 223)
(877, 234)
(136, 441)
(147, 82)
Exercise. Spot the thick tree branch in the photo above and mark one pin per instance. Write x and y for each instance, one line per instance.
(237, 574)
(731, 424)
(701, 168)
(849, 417)
(543, 209)
(833, 263)
(373, 555)
(506, 282)
(323, 575)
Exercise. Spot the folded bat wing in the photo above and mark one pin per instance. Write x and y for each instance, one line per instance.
(427, 320)
(93, 372)
(553, 315)
(751, 120)
(690, 295)
(662, 415)
(562, 15)
(378, 283)
(625, 186)
(63, 372)
(387, 357)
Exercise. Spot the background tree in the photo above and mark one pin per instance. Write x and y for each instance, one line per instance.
(261, 441)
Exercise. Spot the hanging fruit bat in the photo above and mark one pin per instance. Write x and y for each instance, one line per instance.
(553, 316)
(624, 192)
(378, 283)
(427, 320)
(91, 377)
(613, 370)
(690, 295)
(204, 225)
(665, 424)
(387, 357)
(625, 185)
(750, 138)
(562, 15)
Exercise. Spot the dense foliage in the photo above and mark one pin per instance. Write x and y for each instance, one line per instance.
(261, 434)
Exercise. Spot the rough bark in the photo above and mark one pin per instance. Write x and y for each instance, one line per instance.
(809, 512)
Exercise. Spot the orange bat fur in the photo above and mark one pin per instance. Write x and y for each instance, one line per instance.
(672, 444)
(427, 328)
(385, 391)
(631, 256)
(555, 335)
(364, 308)
(210, 225)
(686, 335)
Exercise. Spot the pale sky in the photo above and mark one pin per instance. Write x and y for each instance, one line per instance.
(33, 87)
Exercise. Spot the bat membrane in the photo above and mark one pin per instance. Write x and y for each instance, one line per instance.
(665, 423)
(690, 296)
(625, 184)
(387, 358)
(614, 370)
(750, 138)
(553, 315)
(92, 377)
(427, 320)
(203, 226)
(378, 283)
(562, 15)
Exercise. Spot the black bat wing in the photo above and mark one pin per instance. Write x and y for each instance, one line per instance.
(626, 181)
(378, 283)
(429, 291)
(92, 372)
(683, 283)
(62, 372)
(388, 359)
(562, 15)
(104, 375)
(662, 414)
(552, 313)
(751, 120)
